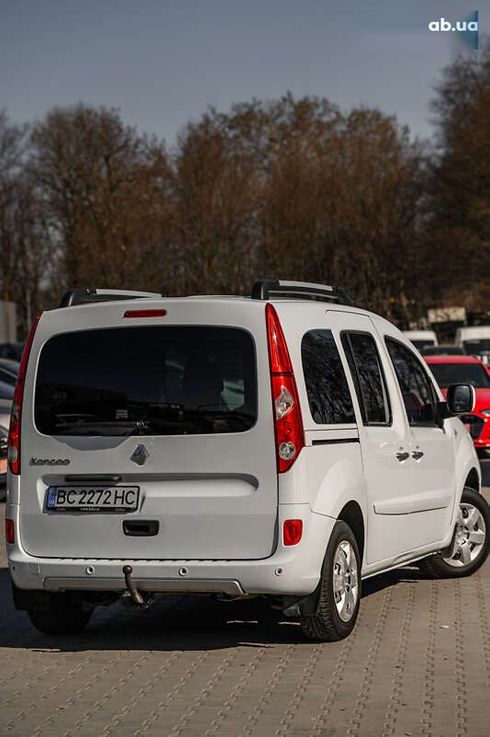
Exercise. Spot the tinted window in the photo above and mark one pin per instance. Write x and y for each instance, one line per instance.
(147, 381)
(416, 390)
(477, 345)
(442, 350)
(326, 386)
(422, 343)
(460, 373)
(367, 373)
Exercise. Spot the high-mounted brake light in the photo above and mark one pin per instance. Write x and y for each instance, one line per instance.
(287, 412)
(13, 452)
(145, 313)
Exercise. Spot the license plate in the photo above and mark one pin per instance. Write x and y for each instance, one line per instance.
(92, 498)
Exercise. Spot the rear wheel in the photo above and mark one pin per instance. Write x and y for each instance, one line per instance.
(483, 453)
(469, 547)
(62, 616)
(339, 589)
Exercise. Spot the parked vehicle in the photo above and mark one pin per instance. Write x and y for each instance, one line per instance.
(5, 409)
(12, 351)
(421, 338)
(6, 390)
(467, 370)
(9, 371)
(442, 350)
(286, 446)
(474, 340)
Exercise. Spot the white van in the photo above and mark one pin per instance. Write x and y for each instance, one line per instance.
(284, 445)
(474, 340)
(421, 338)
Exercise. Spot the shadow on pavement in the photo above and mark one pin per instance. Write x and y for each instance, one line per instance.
(172, 623)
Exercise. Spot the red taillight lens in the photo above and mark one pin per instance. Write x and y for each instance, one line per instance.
(9, 531)
(287, 411)
(278, 351)
(145, 313)
(292, 531)
(16, 415)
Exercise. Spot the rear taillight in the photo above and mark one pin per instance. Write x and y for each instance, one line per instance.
(16, 416)
(287, 412)
(9, 531)
(292, 531)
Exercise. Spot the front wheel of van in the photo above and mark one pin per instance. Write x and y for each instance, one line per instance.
(470, 544)
(62, 616)
(339, 590)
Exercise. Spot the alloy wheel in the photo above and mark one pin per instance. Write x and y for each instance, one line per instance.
(345, 580)
(469, 536)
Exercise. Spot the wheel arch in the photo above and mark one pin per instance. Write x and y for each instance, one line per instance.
(473, 480)
(351, 514)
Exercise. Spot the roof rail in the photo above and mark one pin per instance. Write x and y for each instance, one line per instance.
(268, 288)
(88, 296)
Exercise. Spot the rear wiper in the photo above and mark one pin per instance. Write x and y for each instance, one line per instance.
(208, 417)
(103, 427)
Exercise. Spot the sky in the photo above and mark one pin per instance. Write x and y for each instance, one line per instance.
(163, 62)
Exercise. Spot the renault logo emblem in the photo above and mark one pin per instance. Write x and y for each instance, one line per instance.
(140, 455)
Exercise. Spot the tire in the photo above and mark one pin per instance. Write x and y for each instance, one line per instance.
(483, 453)
(62, 617)
(469, 547)
(336, 614)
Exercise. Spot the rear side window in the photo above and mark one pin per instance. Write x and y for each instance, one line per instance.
(417, 392)
(326, 385)
(367, 373)
(147, 381)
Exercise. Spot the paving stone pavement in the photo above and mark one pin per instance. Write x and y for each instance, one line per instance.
(418, 664)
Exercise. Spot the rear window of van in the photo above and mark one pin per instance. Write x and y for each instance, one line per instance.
(173, 380)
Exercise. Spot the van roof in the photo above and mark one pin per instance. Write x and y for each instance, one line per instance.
(474, 330)
(313, 297)
(215, 298)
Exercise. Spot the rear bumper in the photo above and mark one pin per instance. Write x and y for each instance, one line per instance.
(291, 570)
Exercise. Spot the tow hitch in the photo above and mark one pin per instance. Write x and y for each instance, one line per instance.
(136, 596)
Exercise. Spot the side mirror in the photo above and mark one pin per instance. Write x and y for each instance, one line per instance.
(460, 398)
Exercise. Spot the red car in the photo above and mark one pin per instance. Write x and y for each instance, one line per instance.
(467, 370)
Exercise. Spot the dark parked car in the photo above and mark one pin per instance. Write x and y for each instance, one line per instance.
(11, 350)
(9, 371)
(442, 350)
(5, 407)
(6, 390)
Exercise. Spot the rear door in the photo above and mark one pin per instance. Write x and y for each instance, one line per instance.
(384, 437)
(174, 409)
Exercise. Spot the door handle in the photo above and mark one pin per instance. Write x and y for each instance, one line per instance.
(402, 455)
(417, 454)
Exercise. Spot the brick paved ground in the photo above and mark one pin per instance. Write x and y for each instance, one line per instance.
(417, 664)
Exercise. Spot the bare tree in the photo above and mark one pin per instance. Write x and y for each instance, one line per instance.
(458, 234)
(106, 191)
